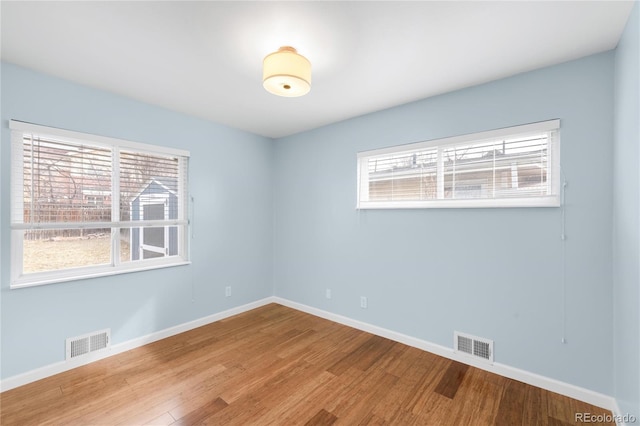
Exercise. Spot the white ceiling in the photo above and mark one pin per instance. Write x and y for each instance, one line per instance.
(204, 58)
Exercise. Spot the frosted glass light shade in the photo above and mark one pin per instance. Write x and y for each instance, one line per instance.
(286, 73)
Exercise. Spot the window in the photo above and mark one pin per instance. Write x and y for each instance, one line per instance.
(85, 205)
(511, 167)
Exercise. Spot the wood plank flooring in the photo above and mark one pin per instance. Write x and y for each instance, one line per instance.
(278, 366)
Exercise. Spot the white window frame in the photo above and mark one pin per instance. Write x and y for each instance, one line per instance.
(19, 279)
(553, 171)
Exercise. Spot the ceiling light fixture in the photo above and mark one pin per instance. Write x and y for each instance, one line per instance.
(286, 73)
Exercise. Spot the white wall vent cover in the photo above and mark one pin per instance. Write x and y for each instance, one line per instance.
(88, 343)
(476, 347)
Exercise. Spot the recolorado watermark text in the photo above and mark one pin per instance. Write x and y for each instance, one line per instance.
(605, 418)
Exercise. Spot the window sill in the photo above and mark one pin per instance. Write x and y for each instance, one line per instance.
(44, 278)
(552, 201)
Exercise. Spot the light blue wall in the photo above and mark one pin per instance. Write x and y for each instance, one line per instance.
(626, 219)
(230, 179)
(495, 273)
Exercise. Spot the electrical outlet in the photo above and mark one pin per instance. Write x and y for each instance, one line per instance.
(363, 302)
(327, 293)
(227, 291)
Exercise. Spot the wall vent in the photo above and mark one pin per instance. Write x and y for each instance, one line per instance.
(80, 346)
(476, 347)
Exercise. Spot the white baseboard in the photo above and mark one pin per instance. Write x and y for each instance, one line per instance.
(59, 367)
(594, 398)
(572, 391)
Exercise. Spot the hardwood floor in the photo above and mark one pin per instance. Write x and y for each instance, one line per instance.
(276, 365)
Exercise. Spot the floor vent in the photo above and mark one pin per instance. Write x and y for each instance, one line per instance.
(476, 347)
(88, 343)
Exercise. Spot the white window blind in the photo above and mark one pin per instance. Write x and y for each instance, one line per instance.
(516, 166)
(84, 205)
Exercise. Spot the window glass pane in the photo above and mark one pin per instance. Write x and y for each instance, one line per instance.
(469, 171)
(148, 179)
(406, 176)
(65, 182)
(58, 249)
(525, 167)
